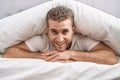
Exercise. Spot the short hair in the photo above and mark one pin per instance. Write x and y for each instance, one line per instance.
(60, 13)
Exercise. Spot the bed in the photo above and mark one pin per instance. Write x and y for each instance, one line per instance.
(90, 22)
(36, 69)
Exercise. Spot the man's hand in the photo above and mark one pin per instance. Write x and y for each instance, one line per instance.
(65, 61)
(53, 56)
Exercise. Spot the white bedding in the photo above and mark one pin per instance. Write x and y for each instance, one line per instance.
(36, 69)
(89, 21)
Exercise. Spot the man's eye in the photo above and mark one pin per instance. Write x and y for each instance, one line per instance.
(54, 32)
(65, 32)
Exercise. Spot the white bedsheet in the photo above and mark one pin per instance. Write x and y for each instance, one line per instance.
(36, 69)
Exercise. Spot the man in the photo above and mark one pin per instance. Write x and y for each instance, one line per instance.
(61, 43)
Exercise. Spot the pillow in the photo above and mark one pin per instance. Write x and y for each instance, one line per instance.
(19, 27)
(95, 24)
(89, 21)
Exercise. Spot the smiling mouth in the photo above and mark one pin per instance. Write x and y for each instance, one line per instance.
(59, 44)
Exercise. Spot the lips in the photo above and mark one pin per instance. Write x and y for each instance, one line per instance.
(60, 44)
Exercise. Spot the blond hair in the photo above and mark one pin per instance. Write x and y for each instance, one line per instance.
(60, 13)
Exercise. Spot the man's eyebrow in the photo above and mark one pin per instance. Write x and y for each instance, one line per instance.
(53, 29)
(65, 29)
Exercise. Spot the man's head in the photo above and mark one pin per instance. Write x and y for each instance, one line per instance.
(60, 22)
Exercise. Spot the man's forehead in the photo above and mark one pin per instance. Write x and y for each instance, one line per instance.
(64, 23)
(58, 29)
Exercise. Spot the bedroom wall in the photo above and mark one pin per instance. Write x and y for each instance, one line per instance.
(9, 7)
(109, 6)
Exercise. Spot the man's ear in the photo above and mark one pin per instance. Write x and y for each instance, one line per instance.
(46, 29)
(74, 28)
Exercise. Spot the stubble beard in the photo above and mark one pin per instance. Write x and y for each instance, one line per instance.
(63, 47)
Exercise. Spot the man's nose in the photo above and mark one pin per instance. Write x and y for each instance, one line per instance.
(60, 38)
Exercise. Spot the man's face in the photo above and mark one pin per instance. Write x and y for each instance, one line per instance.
(60, 33)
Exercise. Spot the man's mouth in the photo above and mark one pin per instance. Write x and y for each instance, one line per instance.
(59, 44)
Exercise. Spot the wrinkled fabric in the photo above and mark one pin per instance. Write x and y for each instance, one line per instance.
(36, 69)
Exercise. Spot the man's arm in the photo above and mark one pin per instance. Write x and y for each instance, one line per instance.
(20, 51)
(99, 54)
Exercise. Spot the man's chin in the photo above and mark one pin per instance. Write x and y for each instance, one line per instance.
(61, 50)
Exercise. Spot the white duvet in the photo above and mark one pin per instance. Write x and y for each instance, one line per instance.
(36, 69)
(89, 21)
(92, 22)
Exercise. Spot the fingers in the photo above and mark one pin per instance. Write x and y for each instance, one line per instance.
(61, 61)
(41, 56)
(48, 55)
(65, 61)
(53, 56)
(49, 58)
(54, 59)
